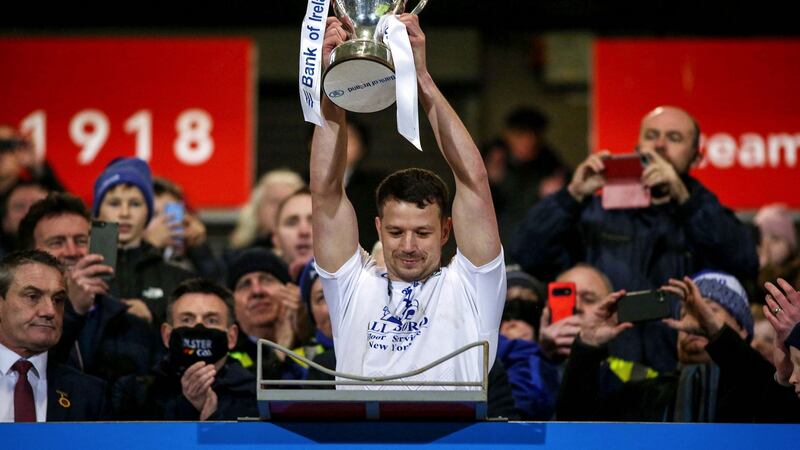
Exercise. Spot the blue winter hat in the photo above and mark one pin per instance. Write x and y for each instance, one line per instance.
(133, 171)
(726, 290)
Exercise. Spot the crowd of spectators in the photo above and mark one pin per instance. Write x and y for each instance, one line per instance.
(729, 349)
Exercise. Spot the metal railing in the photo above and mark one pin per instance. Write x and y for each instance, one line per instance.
(360, 380)
(475, 392)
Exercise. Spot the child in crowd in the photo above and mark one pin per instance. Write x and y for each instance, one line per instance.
(123, 193)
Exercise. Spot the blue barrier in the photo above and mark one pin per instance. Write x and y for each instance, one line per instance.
(391, 435)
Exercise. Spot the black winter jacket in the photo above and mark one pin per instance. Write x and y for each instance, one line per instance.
(108, 342)
(637, 249)
(158, 395)
(142, 273)
(747, 391)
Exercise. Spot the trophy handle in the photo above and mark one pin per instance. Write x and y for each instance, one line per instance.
(341, 13)
(420, 6)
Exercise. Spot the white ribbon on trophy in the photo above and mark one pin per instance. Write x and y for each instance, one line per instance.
(312, 34)
(406, 83)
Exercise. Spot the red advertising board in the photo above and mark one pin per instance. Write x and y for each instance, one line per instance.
(743, 93)
(184, 105)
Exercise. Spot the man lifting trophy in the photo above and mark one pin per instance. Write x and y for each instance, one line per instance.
(399, 319)
(370, 70)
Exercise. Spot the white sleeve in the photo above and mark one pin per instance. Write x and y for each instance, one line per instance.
(486, 287)
(339, 287)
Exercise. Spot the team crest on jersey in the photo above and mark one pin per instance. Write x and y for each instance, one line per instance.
(396, 332)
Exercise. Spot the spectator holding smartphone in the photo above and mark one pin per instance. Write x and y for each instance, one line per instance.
(123, 193)
(100, 338)
(179, 233)
(685, 229)
(722, 379)
(557, 337)
(592, 286)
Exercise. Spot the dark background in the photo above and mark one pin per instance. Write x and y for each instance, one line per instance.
(735, 17)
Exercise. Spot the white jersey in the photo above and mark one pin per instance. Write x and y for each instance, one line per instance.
(377, 332)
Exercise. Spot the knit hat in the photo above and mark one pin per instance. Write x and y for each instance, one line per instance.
(307, 278)
(515, 277)
(775, 220)
(793, 340)
(256, 259)
(133, 171)
(726, 290)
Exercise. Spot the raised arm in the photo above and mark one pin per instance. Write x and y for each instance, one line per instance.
(334, 220)
(474, 220)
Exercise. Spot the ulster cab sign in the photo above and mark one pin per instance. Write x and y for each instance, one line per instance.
(184, 105)
(743, 93)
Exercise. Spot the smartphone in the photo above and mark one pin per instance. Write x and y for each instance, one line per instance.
(103, 240)
(623, 188)
(561, 300)
(176, 211)
(643, 306)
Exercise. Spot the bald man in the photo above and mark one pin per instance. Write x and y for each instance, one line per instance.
(684, 230)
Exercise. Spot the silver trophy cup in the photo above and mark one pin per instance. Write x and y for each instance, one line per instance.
(360, 77)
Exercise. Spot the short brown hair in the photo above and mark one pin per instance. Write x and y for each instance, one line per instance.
(55, 204)
(419, 186)
(202, 286)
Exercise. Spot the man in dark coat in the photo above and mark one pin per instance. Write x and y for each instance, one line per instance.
(32, 297)
(100, 337)
(196, 380)
(73, 396)
(684, 230)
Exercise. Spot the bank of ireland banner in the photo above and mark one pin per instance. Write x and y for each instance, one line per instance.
(184, 105)
(312, 33)
(743, 92)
